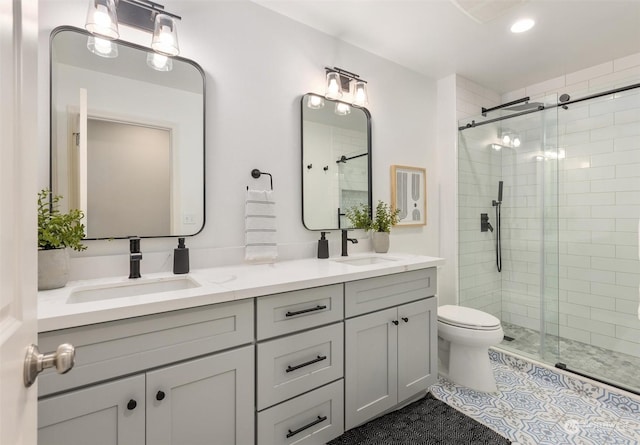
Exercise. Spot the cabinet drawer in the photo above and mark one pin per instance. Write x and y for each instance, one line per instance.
(373, 294)
(113, 349)
(313, 418)
(298, 363)
(293, 311)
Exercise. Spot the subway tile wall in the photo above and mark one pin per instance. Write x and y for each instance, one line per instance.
(590, 256)
(478, 175)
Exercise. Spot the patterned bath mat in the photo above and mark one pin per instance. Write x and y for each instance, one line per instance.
(428, 421)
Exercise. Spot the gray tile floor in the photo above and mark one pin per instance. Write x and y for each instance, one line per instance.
(611, 366)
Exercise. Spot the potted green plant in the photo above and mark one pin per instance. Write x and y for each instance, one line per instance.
(57, 231)
(380, 224)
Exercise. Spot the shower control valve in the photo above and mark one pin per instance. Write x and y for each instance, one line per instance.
(484, 223)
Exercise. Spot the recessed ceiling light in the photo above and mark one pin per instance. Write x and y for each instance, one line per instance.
(522, 25)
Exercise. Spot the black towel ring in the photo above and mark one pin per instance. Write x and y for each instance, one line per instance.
(255, 173)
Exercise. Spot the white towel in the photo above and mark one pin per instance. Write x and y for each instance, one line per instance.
(260, 226)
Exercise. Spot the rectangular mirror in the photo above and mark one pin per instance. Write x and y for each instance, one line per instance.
(127, 137)
(336, 161)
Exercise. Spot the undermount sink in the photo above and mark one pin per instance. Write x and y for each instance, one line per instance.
(364, 261)
(132, 288)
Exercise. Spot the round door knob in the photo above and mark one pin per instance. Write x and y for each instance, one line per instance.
(132, 405)
(160, 395)
(395, 322)
(35, 362)
(405, 319)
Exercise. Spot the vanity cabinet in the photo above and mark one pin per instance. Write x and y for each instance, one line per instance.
(207, 397)
(390, 354)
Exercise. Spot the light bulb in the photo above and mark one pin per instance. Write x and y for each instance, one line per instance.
(516, 142)
(522, 25)
(506, 139)
(342, 109)
(360, 94)
(102, 20)
(315, 102)
(334, 89)
(165, 36)
(159, 62)
(102, 47)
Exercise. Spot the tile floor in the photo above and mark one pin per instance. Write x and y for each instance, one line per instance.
(537, 405)
(613, 366)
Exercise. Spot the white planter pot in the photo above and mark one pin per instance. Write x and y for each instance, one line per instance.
(53, 268)
(380, 242)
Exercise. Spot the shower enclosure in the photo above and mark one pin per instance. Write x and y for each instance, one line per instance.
(555, 257)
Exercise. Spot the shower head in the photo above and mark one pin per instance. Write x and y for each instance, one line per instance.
(495, 203)
(526, 106)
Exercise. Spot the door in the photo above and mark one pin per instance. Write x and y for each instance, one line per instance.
(417, 345)
(370, 366)
(203, 401)
(107, 414)
(18, 283)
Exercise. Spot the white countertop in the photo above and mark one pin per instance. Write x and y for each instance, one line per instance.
(216, 285)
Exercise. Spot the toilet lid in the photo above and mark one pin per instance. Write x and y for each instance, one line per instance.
(467, 317)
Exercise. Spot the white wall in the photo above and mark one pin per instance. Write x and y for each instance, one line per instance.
(258, 64)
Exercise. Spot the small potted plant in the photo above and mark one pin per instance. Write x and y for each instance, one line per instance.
(380, 224)
(56, 232)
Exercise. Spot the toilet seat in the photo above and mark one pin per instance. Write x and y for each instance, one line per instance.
(466, 317)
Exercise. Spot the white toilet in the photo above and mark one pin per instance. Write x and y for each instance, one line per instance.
(464, 338)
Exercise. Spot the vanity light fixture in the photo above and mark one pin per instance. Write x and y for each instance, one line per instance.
(103, 17)
(339, 82)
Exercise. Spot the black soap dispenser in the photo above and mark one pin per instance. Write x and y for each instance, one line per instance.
(180, 258)
(323, 246)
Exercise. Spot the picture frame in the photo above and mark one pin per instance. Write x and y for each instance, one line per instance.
(409, 190)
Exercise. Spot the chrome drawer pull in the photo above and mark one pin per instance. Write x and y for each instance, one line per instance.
(304, 311)
(311, 362)
(315, 422)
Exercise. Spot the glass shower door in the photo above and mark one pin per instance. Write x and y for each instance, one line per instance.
(508, 244)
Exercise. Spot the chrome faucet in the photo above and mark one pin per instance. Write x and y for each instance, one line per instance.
(344, 242)
(135, 256)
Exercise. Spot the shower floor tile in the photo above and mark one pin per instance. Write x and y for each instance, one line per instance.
(535, 405)
(605, 364)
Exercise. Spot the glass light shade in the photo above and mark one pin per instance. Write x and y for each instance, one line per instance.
(315, 102)
(159, 62)
(102, 47)
(334, 88)
(102, 19)
(165, 36)
(516, 141)
(506, 139)
(342, 109)
(360, 96)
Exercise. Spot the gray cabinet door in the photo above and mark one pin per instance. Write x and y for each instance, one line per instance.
(108, 414)
(203, 401)
(417, 347)
(370, 366)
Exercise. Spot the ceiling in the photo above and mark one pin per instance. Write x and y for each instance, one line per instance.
(437, 38)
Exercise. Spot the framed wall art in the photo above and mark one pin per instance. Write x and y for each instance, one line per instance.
(409, 194)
